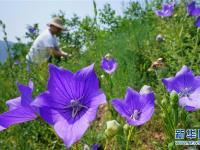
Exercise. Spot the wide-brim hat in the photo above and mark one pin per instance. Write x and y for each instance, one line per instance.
(57, 22)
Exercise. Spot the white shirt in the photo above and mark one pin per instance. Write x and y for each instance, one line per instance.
(39, 51)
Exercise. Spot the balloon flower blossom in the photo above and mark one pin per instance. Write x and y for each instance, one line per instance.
(71, 102)
(167, 10)
(193, 10)
(187, 85)
(20, 109)
(108, 64)
(136, 108)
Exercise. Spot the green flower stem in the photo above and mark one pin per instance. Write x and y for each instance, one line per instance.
(183, 21)
(129, 136)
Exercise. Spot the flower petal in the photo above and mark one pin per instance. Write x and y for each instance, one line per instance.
(86, 82)
(45, 99)
(14, 103)
(183, 79)
(120, 107)
(133, 100)
(51, 116)
(16, 116)
(184, 70)
(71, 133)
(197, 22)
(26, 94)
(60, 84)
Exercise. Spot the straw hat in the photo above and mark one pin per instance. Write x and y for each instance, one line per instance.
(57, 22)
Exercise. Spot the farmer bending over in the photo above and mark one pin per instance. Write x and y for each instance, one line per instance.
(46, 44)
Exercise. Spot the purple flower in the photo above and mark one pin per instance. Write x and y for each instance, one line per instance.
(167, 10)
(17, 62)
(192, 9)
(197, 22)
(109, 65)
(137, 109)
(187, 86)
(95, 147)
(31, 29)
(20, 109)
(71, 101)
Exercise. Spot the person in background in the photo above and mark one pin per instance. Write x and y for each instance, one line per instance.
(46, 45)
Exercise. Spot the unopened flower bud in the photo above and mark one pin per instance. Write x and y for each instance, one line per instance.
(164, 102)
(160, 38)
(112, 128)
(126, 128)
(102, 76)
(146, 90)
(174, 98)
(108, 56)
(86, 147)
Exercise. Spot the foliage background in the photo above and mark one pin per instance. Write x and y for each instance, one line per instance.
(131, 40)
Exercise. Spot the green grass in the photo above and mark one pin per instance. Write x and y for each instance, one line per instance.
(134, 47)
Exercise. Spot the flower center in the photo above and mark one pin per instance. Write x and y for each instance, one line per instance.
(135, 115)
(108, 66)
(76, 106)
(185, 92)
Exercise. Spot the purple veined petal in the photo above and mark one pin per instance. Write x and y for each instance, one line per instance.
(133, 99)
(182, 82)
(148, 109)
(16, 116)
(60, 84)
(168, 83)
(51, 116)
(71, 133)
(98, 98)
(183, 79)
(120, 107)
(184, 70)
(26, 94)
(14, 103)
(86, 82)
(197, 22)
(45, 99)
(148, 99)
